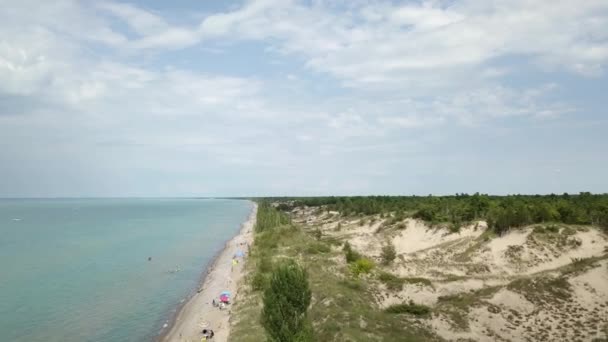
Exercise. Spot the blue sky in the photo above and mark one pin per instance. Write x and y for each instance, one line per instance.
(285, 97)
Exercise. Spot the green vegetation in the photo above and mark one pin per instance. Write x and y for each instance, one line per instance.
(268, 218)
(389, 253)
(350, 254)
(391, 281)
(286, 301)
(395, 283)
(341, 307)
(317, 248)
(362, 265)
(409, 308)
(501, 212)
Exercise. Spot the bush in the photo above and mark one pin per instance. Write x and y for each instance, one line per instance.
(388, 254)
(362, 265)
(409, 308)
(391, 281)
(350, 254)
(286, 301)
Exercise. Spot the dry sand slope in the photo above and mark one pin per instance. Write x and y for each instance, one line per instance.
(199, 312)
(530, 284)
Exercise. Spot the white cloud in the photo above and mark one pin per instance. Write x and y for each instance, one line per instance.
(385, 42)
(370, 80)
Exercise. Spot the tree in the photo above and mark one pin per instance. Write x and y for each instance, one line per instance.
(286, 301)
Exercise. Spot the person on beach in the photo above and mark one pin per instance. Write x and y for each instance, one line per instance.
(234, 262)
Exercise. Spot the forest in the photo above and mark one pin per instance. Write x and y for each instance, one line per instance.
(501, 212)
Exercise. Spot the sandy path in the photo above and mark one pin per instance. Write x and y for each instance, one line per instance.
(198, 312)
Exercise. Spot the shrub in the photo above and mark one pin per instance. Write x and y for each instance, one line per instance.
(552, 228)
(388, 254)
(286, 301)
(362, 265)
(350, 254)
(391, 281)
(418, 280)
(409, 308)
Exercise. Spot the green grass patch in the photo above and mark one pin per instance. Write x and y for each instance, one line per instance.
(361, 266)
(409, 308)
(317, 248)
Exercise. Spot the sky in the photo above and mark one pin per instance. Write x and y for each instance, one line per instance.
(286, 97)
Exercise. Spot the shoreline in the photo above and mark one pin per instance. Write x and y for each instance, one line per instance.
(197, 311)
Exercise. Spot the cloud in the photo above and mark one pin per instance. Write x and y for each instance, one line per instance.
(132, 95)
(401, 42)
(153, 32)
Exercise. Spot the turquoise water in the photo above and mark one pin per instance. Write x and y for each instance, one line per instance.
(78, 270)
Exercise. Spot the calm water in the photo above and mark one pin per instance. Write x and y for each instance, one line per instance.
(78, 270)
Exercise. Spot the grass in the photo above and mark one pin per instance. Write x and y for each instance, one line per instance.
(340, 302)
(361, 266)
(580, 265)
(409, 308)
(391, 281)
(478, 242)
(456, 307)
(395, 283)
(317, 248)
(544, 289)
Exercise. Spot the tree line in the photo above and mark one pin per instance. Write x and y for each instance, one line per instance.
(501, 212)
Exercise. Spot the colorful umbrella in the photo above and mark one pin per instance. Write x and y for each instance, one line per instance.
(224, 298)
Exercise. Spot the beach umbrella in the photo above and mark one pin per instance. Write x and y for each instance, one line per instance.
(225, 293)
(224, 298)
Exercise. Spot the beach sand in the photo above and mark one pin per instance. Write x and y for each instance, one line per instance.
(199, 313)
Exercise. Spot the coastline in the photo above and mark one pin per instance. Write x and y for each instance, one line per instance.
(197, 312)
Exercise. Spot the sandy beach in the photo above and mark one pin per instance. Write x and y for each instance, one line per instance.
(199, 313)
